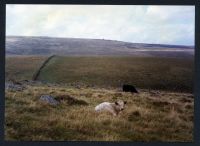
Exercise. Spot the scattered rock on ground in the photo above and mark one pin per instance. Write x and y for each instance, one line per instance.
(49, 99)
(14, 87)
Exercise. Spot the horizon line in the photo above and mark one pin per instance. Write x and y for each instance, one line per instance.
(105, 39)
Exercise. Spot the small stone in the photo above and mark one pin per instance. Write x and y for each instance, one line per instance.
(49, 99)
(14, 87)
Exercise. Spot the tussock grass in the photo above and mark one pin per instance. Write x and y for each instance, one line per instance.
(162, 111)
(26, 118)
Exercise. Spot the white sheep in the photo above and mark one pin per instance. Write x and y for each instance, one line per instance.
(113, 108)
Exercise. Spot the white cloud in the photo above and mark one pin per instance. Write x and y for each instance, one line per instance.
(148, 24)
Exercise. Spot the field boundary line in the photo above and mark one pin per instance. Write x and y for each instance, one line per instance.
(37, 73)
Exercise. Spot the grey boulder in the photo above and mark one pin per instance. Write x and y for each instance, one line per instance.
(49, 99)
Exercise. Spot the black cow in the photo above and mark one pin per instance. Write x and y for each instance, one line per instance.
(129, 88)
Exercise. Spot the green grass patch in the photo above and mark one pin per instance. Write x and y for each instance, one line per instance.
(144, 72)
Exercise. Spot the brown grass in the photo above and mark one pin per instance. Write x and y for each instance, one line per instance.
(166, 116)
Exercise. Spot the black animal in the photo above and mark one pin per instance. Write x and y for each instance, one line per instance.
(129, 88)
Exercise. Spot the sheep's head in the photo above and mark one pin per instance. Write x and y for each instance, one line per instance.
(120, 105)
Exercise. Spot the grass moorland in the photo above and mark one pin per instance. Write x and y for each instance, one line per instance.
(144, 72)
(164, 114)
(22, 67)
(149, 116)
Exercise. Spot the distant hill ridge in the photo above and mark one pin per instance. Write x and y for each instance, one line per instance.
(21, 45)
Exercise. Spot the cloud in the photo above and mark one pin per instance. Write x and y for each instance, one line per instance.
(147, 24)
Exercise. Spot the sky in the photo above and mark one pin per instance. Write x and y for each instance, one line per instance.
(136, 23)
